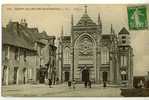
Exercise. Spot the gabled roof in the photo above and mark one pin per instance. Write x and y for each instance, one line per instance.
(14, 37)
(86, 21)
(123, 31)
(18, 35)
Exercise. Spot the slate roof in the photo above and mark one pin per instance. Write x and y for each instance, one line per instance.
(17, 35)
(12, 36)
(123, 31)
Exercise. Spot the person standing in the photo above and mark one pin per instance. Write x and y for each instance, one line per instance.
(85, 84)
(50, 82)
(69, 84)
(104, 84)
(73, 83)
(89, 83)
(57, 80)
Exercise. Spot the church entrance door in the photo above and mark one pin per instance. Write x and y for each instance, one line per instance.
(85, 75)
(66, 76)
(105, 76)
(15, 75)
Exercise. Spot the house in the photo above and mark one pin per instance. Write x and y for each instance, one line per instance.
(25, 51)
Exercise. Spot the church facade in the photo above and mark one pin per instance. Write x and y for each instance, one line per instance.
(88, 54)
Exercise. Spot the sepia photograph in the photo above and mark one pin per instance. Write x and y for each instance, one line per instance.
(75, 50)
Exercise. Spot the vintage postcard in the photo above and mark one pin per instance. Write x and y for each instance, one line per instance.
(75, 50)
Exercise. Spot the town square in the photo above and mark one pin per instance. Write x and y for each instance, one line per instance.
(75, 50)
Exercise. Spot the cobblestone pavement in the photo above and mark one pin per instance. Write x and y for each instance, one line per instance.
(43, 90)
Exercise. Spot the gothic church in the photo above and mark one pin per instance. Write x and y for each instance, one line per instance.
(88, 54)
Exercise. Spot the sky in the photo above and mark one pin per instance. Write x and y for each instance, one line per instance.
(51, 18)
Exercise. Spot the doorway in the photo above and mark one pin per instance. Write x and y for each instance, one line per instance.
(15, 75)
(67, 76)
(85, 75)
(42, 74)
(105, 76)
(24, 75)
(5, 76)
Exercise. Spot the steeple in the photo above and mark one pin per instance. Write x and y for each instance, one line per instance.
(62, 31)
(85, 9)
(99, 20)
(72, 20)
(85, 19)
(61, 34)
(112, 30)
(71, 23)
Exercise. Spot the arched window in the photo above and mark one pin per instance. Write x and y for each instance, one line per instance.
(104, 55)
(67, 56)
(123, 61)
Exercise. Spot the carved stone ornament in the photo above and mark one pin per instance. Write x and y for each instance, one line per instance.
(85, 47)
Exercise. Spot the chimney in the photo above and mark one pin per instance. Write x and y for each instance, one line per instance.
(23, 22)
(12, 26)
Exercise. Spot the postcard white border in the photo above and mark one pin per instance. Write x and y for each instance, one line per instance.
(68, 2)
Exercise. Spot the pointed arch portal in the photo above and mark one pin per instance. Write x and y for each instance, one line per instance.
(85, 75)
(85, 56)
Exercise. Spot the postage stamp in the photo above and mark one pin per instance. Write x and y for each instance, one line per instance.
(137, 17)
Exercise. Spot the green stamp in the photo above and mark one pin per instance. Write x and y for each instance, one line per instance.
(137, 18)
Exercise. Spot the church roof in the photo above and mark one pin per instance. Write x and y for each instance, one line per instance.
(86, 21)
(123, 31)
(66, 38)
(106, 36)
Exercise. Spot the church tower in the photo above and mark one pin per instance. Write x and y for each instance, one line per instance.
(125, 58)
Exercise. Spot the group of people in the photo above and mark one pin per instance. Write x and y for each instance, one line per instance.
(54, 82)
(72, 83)
(87, 83)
